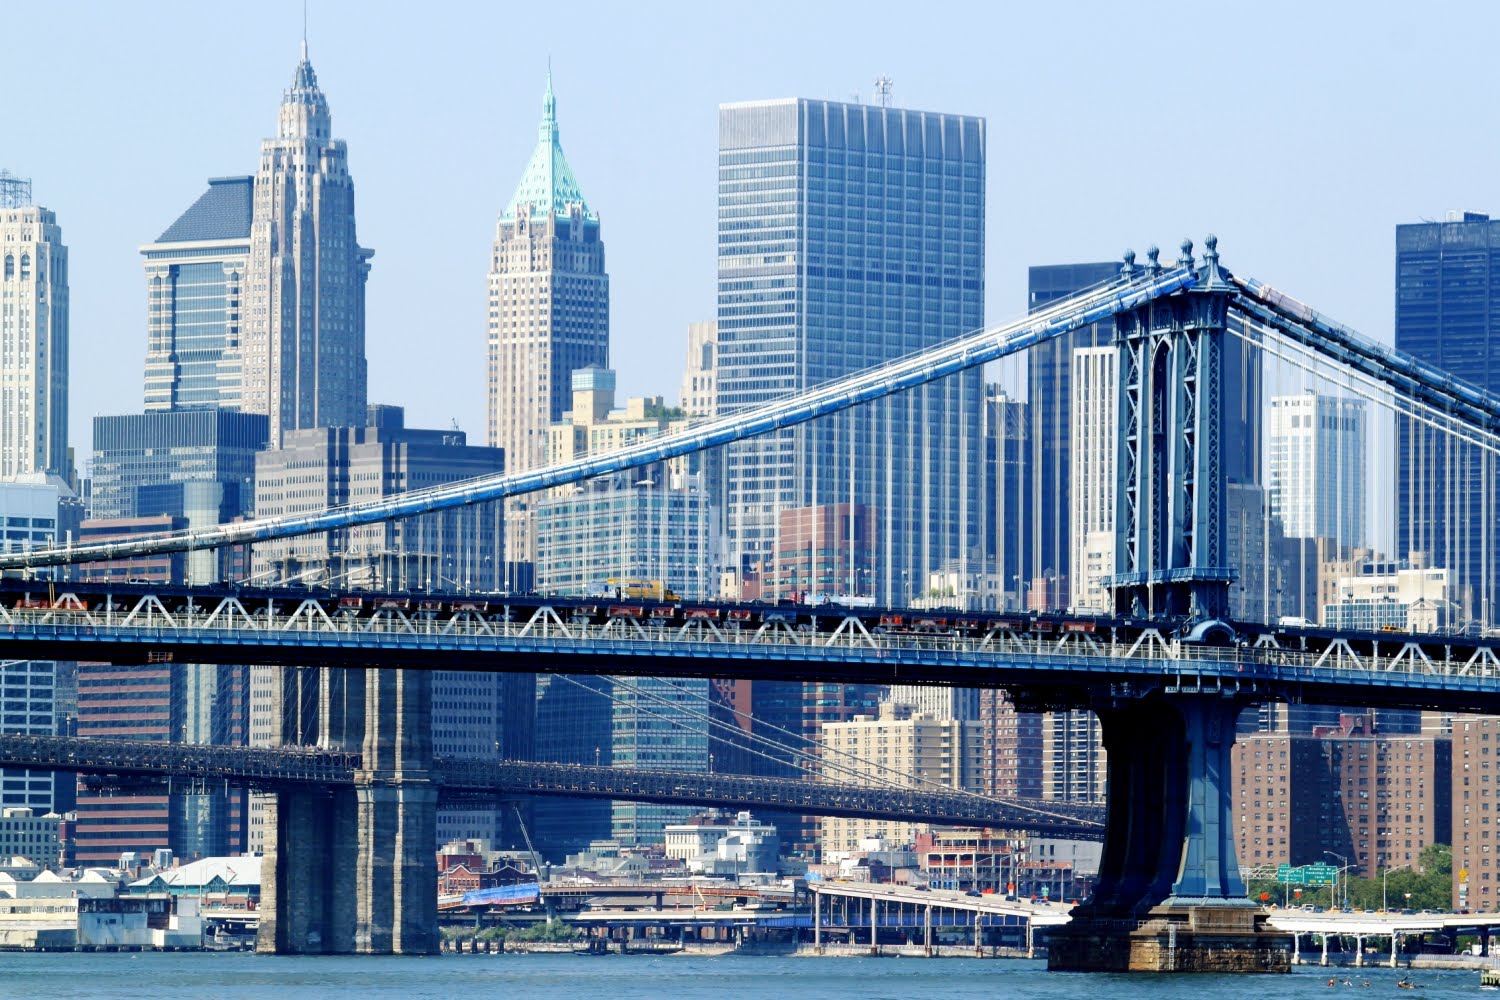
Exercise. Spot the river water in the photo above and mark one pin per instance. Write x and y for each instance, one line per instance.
(241, 976)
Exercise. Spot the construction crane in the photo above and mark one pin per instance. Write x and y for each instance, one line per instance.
(536, 864)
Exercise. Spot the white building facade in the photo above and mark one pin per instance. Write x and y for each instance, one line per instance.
(1317, 447)
(1382, 594)
(33, 336)
(303, 351)
(1091, 455)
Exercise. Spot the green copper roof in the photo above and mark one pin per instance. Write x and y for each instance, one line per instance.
(548, 183)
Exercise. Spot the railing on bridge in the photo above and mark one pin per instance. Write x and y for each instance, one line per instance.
(211, 625)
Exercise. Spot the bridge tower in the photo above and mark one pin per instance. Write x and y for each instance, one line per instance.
(1169, 528)
(1169, 895)
(352, 869)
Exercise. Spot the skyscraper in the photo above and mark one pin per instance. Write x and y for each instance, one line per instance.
(1095, 398)
(1318, 471)
(195, 289)
(34, 508)
(303, 349)
(1047, 563)
(850, 235)
(1448, 314)
(548, 311)
(33, 335)
(1006, 491)
(195, 464)
(698, 376)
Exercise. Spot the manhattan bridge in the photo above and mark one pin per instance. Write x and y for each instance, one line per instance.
(1167, 669)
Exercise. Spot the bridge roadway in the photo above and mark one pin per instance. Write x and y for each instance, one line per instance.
(1050, 659)
(282, 767)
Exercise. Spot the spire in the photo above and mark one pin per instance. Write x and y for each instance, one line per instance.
(548, 130)
(304, 109)
(548, 184)
(304, 80)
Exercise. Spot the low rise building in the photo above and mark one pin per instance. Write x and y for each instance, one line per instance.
(30, 834)
(1381, 594)
(719, 844)
(964, 858)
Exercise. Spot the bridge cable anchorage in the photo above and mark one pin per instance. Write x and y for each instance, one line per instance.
(973, 350)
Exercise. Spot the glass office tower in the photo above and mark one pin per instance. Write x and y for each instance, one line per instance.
(1448, 314)
(195, 280)
(850, 235)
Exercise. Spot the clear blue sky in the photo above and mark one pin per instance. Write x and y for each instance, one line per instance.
(1300, 133)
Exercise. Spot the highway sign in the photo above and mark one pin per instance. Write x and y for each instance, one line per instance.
(1306, 874)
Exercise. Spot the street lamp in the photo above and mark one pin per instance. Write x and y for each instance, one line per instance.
(1383, 879)
(1336, 877)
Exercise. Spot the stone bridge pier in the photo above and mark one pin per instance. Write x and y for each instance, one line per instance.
(353, 870)
(1169, 896)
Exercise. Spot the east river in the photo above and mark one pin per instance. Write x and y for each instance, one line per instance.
(240, 976)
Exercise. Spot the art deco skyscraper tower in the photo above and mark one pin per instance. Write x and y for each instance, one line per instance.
(548, 310)
(303, 353)
(34, 336)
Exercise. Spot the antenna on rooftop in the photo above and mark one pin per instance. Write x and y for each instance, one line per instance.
(883, 87)
(14, 191)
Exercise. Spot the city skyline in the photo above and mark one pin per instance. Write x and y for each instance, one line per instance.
(656, 196)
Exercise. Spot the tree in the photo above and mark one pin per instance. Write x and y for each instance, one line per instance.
(1427, 886)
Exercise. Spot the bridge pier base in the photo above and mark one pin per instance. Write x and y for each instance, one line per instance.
(354, 870)
(395, 887)
(307, 873)
(1169, 896)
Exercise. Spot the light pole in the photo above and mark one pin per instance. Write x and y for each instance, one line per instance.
(1336, 878)
(1383, 879)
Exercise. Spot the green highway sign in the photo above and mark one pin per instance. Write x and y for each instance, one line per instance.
(1306, 874)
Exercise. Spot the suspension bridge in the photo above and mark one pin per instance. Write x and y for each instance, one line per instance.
(1166, 668)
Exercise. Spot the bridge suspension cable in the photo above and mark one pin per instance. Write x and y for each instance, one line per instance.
(970, 351)
(1400, 371)
(908, 783)
(1274, 343)
(1454, 475)
(679, 711)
